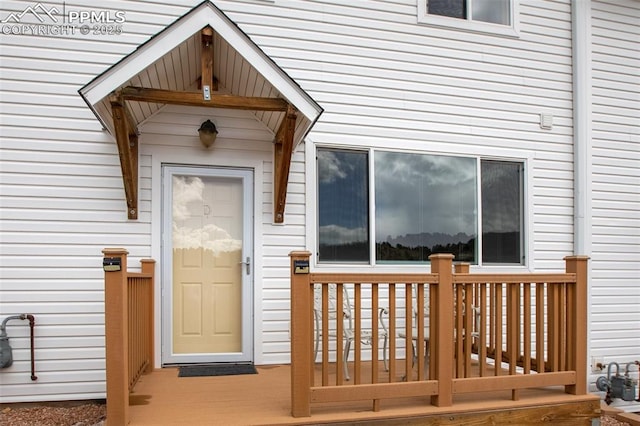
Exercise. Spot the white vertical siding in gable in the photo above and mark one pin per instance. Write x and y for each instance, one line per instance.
(63, 201)
(616, 181)
(386, 81)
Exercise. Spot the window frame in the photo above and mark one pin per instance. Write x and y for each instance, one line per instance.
(526, 161)
(471, 25)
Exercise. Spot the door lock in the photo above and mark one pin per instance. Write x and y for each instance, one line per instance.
(247, 265)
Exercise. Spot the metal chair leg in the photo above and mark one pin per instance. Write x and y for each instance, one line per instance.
(316, 318)
(347, 347)
(384, 353)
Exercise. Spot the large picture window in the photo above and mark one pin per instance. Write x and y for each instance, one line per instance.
(417, 205)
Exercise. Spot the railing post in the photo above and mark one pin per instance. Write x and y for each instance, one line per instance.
(577, 330)
(116, 335)
(301, 332)
(148, 267)
(442, 348)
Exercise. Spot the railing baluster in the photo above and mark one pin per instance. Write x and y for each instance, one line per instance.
(374, 342)
(339, 334)
(482, 353)
(357, 371)
(527, 328)
(552, 326)
(512, 319)
(468, 328)
(392, 332)
(540, 337)
(498, 332)
(562, 290)
(459, 331)
(374, 333)
(512, 331)
(325, 335)
(408, 303)
(420, 329)
(492, 317)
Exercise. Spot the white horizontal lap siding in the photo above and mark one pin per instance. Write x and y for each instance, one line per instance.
(615, 260)
(63, 201)
(279, 240)
(386, 81)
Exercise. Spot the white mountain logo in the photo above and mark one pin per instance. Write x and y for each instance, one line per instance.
(38, 10)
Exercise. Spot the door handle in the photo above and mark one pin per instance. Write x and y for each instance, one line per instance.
(247, 265)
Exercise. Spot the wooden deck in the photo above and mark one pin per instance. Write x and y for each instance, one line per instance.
(539, 381)
(163, 398)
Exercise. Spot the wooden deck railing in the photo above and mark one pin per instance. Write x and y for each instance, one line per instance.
(140, 306)
(129, 329)
(485, 332)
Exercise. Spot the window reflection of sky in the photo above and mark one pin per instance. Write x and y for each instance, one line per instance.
(501, 197)
(190, 230)
(343, 196)
(423, 204)
(495, 11)
(417, 194)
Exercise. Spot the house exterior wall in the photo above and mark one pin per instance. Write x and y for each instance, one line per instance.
(394, 83)
(615, 288)
(384, 81)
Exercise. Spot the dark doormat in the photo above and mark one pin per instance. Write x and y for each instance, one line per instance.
(216, 370)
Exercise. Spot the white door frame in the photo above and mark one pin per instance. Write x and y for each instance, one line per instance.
(247, 352)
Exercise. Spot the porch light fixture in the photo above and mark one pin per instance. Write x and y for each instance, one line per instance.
(208, 133)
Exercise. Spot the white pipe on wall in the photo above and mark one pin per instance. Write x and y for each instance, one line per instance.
(582, 125)
(582, 143)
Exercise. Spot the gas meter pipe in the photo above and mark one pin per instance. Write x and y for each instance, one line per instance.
(32, 324)
(6, 357)
(638, 364)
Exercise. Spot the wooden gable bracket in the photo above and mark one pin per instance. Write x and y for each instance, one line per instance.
(127, 142)
(282, 151)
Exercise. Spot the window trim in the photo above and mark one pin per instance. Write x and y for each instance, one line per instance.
(481, 153)
(470, 25)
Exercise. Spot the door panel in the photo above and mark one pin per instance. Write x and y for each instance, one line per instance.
(208, 305)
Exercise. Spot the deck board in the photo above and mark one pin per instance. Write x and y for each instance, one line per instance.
(163, 398)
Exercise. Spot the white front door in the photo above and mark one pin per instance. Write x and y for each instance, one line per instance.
(207, 265)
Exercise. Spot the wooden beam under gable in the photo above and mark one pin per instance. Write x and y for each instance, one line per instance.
(282, 151)
(127, 142)
(142, 94)
(207, 78)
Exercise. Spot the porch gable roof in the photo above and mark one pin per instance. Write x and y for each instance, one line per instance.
(202, 46)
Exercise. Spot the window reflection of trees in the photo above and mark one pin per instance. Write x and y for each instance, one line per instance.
(343, 205)
(424, 204)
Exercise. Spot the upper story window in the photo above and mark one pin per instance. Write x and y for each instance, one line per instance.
(385, 207)
(495, 11)
(488, 16)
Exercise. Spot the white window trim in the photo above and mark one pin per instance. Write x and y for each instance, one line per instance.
(485, 153)
(469, 25)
